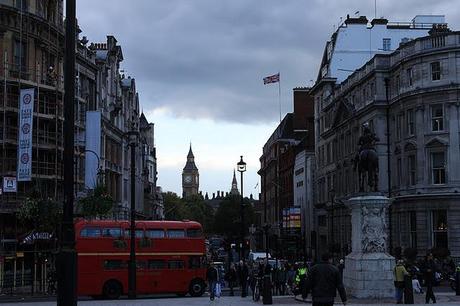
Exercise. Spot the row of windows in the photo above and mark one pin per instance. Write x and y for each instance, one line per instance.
(116, 232)
(405, 123)
(343, 145)
(439, 228)
(438, 166)
(151, 264)
(345, 181)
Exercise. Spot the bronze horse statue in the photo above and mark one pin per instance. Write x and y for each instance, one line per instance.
(367, 160)
(367, 163)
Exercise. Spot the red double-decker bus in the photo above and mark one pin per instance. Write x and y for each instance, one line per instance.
(170, 257)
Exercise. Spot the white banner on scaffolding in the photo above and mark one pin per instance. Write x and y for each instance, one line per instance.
(26, 111)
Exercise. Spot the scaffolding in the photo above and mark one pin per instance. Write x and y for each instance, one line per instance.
(32, 58)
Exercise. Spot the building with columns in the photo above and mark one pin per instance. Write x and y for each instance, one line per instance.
(410, 98)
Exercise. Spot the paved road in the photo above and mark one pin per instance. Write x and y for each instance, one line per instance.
(446, 300)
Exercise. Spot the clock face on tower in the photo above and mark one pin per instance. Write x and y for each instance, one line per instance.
(188, 179)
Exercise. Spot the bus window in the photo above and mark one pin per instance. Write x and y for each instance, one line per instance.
(195, 262)
(114, 264)
(176, 233)
(176, 264)
(157, 264)
(139, 233)
(140, 264)
(194, 233)
(155, 233)
(111, 232)
(90, 232)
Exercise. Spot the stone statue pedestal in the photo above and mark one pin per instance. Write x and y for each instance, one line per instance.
(369, 268)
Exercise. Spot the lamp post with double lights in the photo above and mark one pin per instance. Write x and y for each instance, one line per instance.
(133, 139)
(241, 167)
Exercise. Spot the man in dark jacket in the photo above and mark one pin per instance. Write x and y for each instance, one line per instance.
(323, 281)
(429, 273)
(211, 276)
(243, 273)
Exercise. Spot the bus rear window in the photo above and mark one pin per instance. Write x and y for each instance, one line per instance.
(176, 264)
(90, 232)
(115, 264)
(111, 232)
(194, 233)
(155, 233)
(155, 264)
(176, 233)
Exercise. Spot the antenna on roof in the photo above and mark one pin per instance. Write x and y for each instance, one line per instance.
(356, 13)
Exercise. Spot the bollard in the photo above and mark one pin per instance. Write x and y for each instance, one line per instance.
(408, 290)
(457, 282)
(267, 292)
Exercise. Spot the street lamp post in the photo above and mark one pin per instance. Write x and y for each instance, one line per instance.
(67, 260)
(241, 166)
(133, 137)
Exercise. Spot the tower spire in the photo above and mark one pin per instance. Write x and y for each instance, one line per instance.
(234, 190)
(190, 152)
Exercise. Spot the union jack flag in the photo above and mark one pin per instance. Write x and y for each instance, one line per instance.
(272, 79)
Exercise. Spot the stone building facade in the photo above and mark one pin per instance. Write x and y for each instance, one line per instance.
(411, 92)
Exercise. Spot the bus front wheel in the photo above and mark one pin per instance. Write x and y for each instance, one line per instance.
(197, 287)
(112, 289)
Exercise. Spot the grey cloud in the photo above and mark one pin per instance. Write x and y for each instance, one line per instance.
(207, 58)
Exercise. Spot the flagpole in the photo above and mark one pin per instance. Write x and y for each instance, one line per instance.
(279, 93)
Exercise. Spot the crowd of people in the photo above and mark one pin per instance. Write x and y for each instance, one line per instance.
(322, 280)
(428, 273)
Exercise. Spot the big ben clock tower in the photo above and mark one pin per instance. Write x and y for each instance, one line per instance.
(190, 176)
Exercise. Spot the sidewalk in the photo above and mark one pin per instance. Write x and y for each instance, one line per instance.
(223, 301)
(448, 298)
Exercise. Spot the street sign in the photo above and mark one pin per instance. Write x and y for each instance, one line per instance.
(9, 184)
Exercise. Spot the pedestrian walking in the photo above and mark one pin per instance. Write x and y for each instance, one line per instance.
(323, 282)
(281, 279)
(212, 278)
(429, 275)
(300, 276)
(243, 274)
(290, 278)
(230, 277)
(341, 267)
(399, 273)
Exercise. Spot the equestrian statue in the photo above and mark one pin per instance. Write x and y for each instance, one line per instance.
(367, 160)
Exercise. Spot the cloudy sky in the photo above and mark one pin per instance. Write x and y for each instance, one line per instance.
(199, 66)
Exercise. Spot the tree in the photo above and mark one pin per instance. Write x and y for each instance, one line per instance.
(98, 203)
(227, 220)
(44, 214)
(173, 206)
(197, 209)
